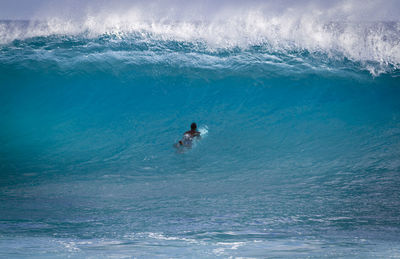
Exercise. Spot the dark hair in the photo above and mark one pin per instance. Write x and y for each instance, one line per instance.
(193, 126)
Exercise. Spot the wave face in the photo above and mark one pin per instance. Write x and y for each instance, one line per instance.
(301, 149)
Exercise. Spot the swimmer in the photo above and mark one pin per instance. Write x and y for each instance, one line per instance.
(189, 135)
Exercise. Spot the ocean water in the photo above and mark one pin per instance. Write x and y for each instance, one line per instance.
(300, 154)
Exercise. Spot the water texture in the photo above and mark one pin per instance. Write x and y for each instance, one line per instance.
(300, 156)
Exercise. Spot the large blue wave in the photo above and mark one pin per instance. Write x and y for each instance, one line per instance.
(302, 153)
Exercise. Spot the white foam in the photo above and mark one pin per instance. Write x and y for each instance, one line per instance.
(203, 131)
(352, 29)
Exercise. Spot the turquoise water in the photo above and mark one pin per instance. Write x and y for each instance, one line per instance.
(301, 156)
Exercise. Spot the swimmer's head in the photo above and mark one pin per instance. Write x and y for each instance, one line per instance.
(193, 126)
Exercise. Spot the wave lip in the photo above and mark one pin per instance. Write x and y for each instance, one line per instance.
(375, 44)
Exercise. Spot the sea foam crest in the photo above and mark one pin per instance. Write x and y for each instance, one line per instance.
(332, 31)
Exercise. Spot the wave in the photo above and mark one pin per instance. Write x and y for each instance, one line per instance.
(334, 33)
